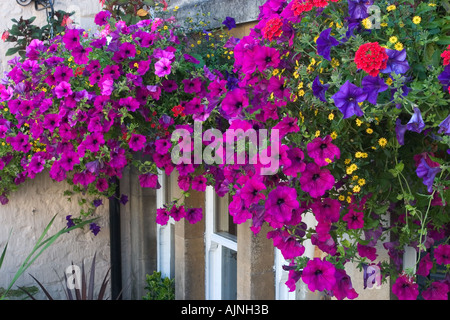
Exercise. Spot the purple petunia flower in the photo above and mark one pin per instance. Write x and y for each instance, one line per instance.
(357, 9)
(234, 102)
(316, 181)
(397, 62)
(199, 183)
(405, 289)
(194, 215)
(444, 78)
(319, 89)
(416, 123)
(343, 287)
(373, 86)
(137, 142)
(324, 44)
(438, 290)
(322, 149)
(70, 222)
(102, 17)
(71, 39)
(400, 130)
(229, 22)
(347, 98)
(149, 180)
(280, 204)
(251, 191)
(63, 90)
(444, 126)
(427, 173)
(266, 57)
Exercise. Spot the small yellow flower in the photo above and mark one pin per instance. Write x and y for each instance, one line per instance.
(364, 155)
(432, 4)
(358, 122)
(417, 19)
(391, 8)
(275, 72)
(358, 154)
(301, 93)
(138, 51)
(347, 161)
(382, 142)
(389, 81)
(317, 133)
(333, 135)
(349, 199)
(5, 109)
(393, 39)
(367, 23)
(300, 85)
(328, 160)
(136, 65)
(369, 130)
(331, 116)
(166, 27)
(384, 24)
(334, 63)
(341, 197)
(398, 46)
(356, 189)
(349, 171)
(353, 167)
(362, 181)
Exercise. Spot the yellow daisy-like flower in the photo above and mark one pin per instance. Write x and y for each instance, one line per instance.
(341, 197)
(349, 199)
(358, 122)
(362, 181)
(356, 189)
(301, 93)
(333, 135)
(391, 8)
(432, 4)
(317, 133)
(398, 46)
(417, 19)
(369, 130)
(393, 39)
(366, 23)
(364, 155)
(353, 167)
(334, 63)
(384, 24)
(388, 81)
(349, 171)
(382, 142)
(347, 161)
(331, 116)
(358, 154)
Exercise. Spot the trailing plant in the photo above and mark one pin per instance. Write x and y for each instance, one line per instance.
(158, 287)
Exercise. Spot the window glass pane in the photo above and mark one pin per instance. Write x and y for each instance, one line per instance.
(223, 220)
(229, 274)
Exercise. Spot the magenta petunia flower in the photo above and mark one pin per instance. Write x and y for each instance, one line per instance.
(323, 151)
(194, 215)
(239, 210)
(288, 245)
(63, 73)
(102, 18)
(326, 210)
(51, 122)
(94, 141)
(354, 219)
(442, 254)
(343, 287)
(81, 54)
(279, 205)
(177, 212)
(192, 85)
(162, 216)
(137, 142)
(36, 165)
(438, 290)
(63, 90)
(286, 125)
(266, 57)
(199, 183)
(297, 165)
(20, 142)
(102, 185)
(316, 181)
(71, 38)
(69, 160)
(367, 251)
(405, 289)
(162, 146)
(319, 275)
(149, 180)
(251, 191)
(234, 102)
(163, 67)
(425, 265)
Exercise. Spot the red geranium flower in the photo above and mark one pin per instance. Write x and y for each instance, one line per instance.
(371, 58)
(273, 28)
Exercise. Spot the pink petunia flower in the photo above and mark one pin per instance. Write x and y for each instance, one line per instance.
(405, 289)
(323, 151)
(319, 275)
(316, 181)
(163, 67)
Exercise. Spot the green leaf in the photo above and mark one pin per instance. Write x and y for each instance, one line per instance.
(12, 51)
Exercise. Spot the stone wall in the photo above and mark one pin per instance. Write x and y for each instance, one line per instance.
(27, 214)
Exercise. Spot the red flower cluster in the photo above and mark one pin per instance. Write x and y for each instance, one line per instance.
(272, 28)
(299, 6)
(371, 58)
(446, 56)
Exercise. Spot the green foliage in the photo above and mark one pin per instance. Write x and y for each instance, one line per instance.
(23, 31)
(129, 11)
(159, 288)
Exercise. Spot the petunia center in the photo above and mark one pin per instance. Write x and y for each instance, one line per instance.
(280, 201)
(315, 176)
(318, 272)
(323, 146)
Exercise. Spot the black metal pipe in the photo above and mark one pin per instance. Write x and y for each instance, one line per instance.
(115, 244)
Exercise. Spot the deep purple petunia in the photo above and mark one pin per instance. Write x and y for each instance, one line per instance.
(425, 265)
(199, 183)
(444, 78)
(319, 89)
(229, 22)
(438, 290)
(343, 287)
(81, 54)
(289, 246)
(234, 102)
(416, 123)
(324, 44)
(427, 173)
(326, 210)
(354, 219)
(373, 86)
(323, 151)
(316, 181)
(444, 126)
(400, 130)
(397, 62)
(442, 254)
(20, 142)
(367, 251)
(357, 9)
(347, 99)
(319, 275)
(297, 164)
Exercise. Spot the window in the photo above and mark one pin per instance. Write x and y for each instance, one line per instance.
(221, 249)
(165, 234)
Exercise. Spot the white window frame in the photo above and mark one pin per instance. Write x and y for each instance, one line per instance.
(214, 244)
(164, 234)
